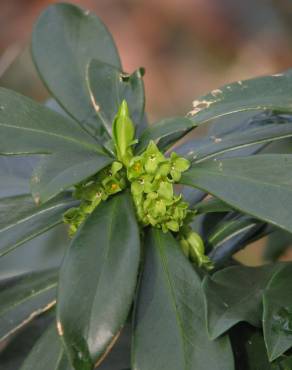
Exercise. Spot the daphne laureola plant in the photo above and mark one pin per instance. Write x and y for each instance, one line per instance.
(153, 220)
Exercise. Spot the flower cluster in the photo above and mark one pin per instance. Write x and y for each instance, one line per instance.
(109, 181)
(152, 176)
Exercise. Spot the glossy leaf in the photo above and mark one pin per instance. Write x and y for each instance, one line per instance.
(19, 345)
(225, 127)
(23, 297)
(15, 173)
(42, 131)
(277, 319)
(225, 252)
(22, 220)
(228, 229)
(58, 172)
(48, 353)
(234, 294)
(212, 206)
(65, 39)
(164, 132)
(109, 86)
(101, 264)
(262, 93)
(238, 142)
(169, 330)
(259, 185)
(215, 146)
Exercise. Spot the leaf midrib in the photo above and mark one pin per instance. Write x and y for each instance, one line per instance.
(173, 299)
(64, 138)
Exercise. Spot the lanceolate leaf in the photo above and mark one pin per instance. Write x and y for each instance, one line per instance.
(259, 185)
(236, 242)
(97, 281)
(215, 146)
(169, 128)
(226, 127)
(48, 353)
(21, 219)
(169, 329)
(27, 127)
(58, 172)
(15, 173)
(211, 206)
(238, 141)
(109, 86)
(23, 297)
(228, 229)
(235, 294)
(65, 39)
(277, 319)
(269, 92)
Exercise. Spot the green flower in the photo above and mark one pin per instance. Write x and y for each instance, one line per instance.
(135, 168)
(153, 157)
(178, 165)
(123, 134)
(165, 190)
(116, 167)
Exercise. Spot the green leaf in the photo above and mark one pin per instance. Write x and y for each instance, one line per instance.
(58, 172)
(215, 146)
(15, 173)
(109, 86)
(19, 345)
(102, 263)
(211, 206)
(234, 294)
(169, 329)
(22, 220)
(165, 132)
(285, 364)
(249, 349)
(23, 297)
(65, 39)
(42, 131)
(48, 353)
(277, 318)
(262, 93)
(228, 229)
(227, 127)
(259, 185)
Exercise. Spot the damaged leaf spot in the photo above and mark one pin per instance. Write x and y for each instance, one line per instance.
(199, 105)
(60, 329)
(216, 139)
(216, 92)
(95, 105)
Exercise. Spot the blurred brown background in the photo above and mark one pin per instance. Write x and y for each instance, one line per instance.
(188, 47)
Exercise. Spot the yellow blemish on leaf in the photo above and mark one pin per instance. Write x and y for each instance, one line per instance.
(94, 103)
(60, 329)
(199, 105)
(37, 199)
(216, 139)
(216, 92)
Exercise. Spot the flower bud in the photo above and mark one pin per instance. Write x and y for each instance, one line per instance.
(123, 134)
